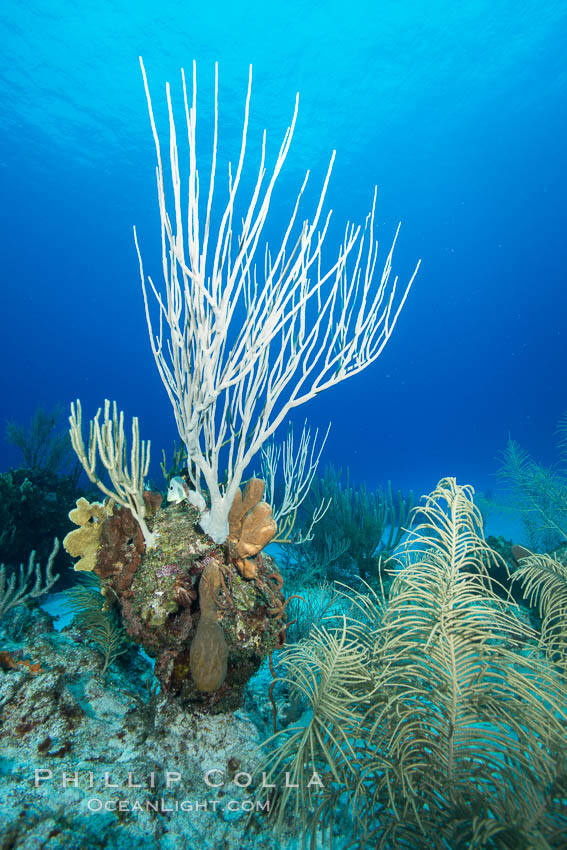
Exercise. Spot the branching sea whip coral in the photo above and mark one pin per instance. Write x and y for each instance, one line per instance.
(17, 588)
(233, 380)
(108, 444)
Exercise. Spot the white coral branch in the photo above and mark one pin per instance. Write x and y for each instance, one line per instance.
(16, 589)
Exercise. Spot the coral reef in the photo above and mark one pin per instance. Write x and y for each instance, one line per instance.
(60, 717)
(358, 531)
(433, 713)
(34, 508)
(185, 600)
(438, 714)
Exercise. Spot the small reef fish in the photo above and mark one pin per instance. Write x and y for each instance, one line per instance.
(177, 491)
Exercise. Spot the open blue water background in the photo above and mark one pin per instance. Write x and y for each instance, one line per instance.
(457, 111)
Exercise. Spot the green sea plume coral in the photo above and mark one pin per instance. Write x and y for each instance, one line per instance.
(544, 582)
(329, 673)
(91, 614)
(359, 529)
(539, 492)
(42, 445)
(454, 735)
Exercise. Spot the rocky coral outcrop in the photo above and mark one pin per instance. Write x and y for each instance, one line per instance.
(207, 621)
(123, 742)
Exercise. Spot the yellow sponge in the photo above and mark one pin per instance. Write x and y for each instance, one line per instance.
(83, 542)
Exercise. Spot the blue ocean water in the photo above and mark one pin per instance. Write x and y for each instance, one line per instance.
(457, 112)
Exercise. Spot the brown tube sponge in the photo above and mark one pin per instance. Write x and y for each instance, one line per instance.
(251, 526)
(209, 653)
